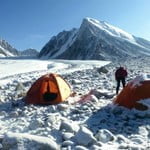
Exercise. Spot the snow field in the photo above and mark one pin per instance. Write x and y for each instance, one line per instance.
(89, 122)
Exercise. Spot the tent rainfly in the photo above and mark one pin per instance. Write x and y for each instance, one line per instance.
(48, 89)
(134, 93)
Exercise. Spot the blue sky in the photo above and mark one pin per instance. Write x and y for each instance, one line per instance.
(31, 23)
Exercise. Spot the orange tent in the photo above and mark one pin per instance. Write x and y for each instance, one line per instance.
(48, 89)
(133, 93)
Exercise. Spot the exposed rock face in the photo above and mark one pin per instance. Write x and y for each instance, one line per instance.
(58, 44)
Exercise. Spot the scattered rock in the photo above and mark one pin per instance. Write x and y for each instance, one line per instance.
(68, 143)
(99, 93)
(121, 139)
(104, 136)
(62, 107)
(14, 114)
(1, 147)
(36, 124)
(136, 147)
(2, 113)
(69, 126)
(102, 70)
(19, 87)
(123, 146)
(67, 135)
(24, 141)
(84, 137)
(79, 147)
(76, 81)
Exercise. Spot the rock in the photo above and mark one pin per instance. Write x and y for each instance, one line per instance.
(53, 118)
(2, 99)
(101, 93)
(79, 147)
(76, 81)
(2, 113)
(136, 147)
(95, 147)
(102, 70)
(62, 107)
(14, 114)
(84, 137)
(104, 136)
(68, 143)
(1, 136)
(36, 124)
(138, 139)
(143, 131)
(1, 147)
(67, 135)
(123, 146)
(94, 98)
(24, 141)
(20, 90)
(121, 139)
(20, 87)
(69, 126)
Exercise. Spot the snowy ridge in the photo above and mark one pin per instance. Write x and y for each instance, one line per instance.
(113, 31)
(116, 32)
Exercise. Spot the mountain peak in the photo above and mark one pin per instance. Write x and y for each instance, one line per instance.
(108, 28)
(94, 21)
(95, 40)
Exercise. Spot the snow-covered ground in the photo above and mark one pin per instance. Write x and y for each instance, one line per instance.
(87, 121)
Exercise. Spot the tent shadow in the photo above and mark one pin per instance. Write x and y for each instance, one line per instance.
(12, 105)
(118, 120)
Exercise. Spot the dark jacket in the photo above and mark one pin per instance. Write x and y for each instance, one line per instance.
(120, 73)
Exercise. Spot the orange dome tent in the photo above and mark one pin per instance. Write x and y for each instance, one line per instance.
(48, 89)
(132, 93)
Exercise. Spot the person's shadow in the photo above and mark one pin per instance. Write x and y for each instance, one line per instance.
(118, 120)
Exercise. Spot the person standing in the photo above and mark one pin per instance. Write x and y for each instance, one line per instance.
(120, 76)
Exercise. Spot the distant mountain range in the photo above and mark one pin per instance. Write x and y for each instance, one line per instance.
(95, 40)
(29, 52)
(6, 50)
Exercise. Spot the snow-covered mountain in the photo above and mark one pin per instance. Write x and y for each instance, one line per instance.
(7, 50)
(95, 40)
(29, 52)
